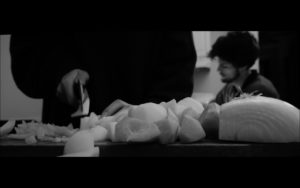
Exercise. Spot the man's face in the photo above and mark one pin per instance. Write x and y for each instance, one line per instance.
(227, 71)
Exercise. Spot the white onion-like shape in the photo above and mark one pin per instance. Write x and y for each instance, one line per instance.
(182, 105)
(259, 119)
(81, 141)
(190, 112)
(99, 133)
(189, 102)
(149, 112)
(135, 130)
(190, 130)
(168, 128)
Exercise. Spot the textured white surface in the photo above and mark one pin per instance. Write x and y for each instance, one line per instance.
(259, 119)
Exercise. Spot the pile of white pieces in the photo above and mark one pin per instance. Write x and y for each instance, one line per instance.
(32, 132)
(164, 123)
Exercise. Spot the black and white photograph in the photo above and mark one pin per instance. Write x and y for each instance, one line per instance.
(150, 93)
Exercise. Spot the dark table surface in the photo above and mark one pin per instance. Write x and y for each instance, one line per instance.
(205, 148)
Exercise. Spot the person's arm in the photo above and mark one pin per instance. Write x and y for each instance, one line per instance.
(171, 75)
(39, 62)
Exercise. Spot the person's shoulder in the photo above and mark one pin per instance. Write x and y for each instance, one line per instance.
(255, 79)
(264, 86)
(262, 78)
(264, 82)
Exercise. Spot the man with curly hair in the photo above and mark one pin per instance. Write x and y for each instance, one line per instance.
(236, 53)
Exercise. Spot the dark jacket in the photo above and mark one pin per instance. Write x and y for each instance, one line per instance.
(136, 67)
(254, 83)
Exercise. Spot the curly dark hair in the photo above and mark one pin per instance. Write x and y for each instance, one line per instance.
(238, 47)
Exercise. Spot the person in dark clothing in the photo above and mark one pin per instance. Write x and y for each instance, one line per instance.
(236, 53)
(136, 67)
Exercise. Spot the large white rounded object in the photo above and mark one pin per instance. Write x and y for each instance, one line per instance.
(259, 119)
(80, 142)
(89, 122)
(149, 112)
(135, 130)
(176, 108)
(190, 130)
(168, 128)
(189, 102)
(99, 133)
